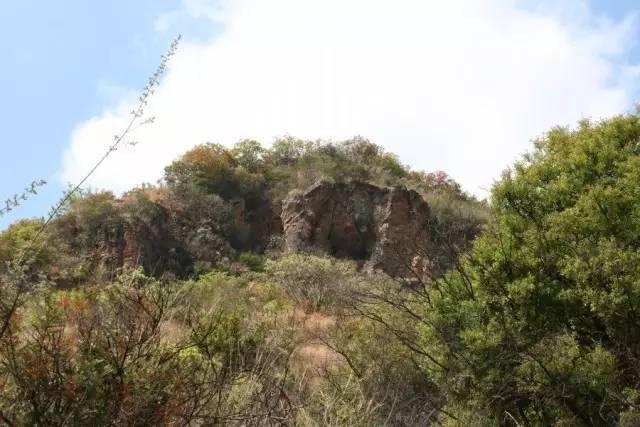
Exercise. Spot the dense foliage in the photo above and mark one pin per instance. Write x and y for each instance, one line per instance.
(540, 325)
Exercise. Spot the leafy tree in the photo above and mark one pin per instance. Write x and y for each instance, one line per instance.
(213, 169)
(370, 162)
(288, 150)
(87, 213)
(249, 154)
(208, 166)
(540, 324)
(17, 238)
(435, 182)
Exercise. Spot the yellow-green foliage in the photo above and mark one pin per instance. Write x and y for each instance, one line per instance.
(537, 327)
(17, 238)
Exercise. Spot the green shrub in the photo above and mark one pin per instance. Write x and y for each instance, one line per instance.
(537, 326)
(252, 260)
(16, 240)
(317, 282)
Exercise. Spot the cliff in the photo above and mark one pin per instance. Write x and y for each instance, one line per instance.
(385, 228)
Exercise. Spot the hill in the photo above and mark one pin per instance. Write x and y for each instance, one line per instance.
(215, 204)
(322, 284)
(218, 295)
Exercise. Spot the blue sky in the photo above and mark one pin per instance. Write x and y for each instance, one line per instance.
(64, 62)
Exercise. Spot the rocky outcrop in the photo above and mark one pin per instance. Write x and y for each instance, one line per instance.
(129, 241)
(385, 228)
(251, 227)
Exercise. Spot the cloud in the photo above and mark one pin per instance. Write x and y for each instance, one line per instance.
(462, 86)
(213, 11)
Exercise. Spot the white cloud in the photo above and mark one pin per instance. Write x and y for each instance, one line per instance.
(461, 86)
(214, 11)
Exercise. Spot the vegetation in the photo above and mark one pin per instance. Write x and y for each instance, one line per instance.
(162, 307)
(216, 204)
(176, 304)
(540, 325)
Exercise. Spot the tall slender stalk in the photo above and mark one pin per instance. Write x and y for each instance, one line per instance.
(137, 119)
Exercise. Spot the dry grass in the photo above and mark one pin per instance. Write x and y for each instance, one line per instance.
(315, 324)
(312, 360)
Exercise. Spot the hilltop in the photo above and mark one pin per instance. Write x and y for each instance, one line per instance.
(216, 204)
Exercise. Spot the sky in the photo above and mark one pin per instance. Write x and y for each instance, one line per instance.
(461, 86)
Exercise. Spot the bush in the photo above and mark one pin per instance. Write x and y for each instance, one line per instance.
(316, 282)
(253, 261)
(125, 354)
(536, 328)
(17, 239)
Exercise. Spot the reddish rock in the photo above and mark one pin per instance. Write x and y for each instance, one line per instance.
(385, 228)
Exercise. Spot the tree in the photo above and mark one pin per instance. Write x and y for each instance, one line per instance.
(16, 239)
(288, 150)
(540, 325)
(249, 154)
(371, 161)
(207, 166)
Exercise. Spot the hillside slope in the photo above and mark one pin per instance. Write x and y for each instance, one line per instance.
(241, 290)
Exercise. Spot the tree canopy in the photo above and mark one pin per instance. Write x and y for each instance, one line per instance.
(540, 325)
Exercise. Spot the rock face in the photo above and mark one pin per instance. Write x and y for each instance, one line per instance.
(133, 240)
(387, 229)
(384, 229)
